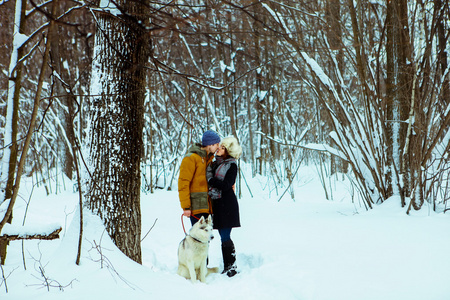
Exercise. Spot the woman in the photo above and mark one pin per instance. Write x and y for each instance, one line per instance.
(221, 176)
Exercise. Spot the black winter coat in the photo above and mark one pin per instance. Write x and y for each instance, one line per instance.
(225, 209)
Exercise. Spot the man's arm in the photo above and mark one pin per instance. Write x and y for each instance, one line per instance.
(187, 169)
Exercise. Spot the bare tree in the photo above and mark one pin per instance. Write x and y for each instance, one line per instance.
(10, 153)
(398, 93)
(31, 128)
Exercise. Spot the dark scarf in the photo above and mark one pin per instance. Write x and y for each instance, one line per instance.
(221, 166)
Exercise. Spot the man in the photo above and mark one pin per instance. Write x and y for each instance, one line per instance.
(192, 184)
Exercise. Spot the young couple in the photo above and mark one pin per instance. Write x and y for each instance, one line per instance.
(206, 187)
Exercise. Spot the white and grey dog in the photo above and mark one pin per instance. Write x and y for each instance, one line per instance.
(193, 251)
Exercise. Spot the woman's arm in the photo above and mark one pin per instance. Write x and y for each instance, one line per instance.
(228, 182)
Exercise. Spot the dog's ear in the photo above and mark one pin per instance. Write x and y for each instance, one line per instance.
(209, 219)
(202, 220)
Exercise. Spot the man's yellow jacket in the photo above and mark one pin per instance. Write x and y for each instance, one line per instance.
(192, 184)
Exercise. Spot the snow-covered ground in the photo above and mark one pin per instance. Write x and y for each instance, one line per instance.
(308, 249)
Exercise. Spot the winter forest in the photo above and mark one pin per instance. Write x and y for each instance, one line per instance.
(110, 94)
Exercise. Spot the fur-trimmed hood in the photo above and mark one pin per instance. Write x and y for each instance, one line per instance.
(232, 145)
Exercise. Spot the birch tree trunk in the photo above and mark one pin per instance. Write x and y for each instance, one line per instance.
(116, 116)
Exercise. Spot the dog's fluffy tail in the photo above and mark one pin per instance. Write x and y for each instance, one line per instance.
(213, 270)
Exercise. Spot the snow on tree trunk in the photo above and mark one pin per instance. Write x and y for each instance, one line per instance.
(116, 124)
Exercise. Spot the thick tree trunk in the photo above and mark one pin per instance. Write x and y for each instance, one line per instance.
(117, 120)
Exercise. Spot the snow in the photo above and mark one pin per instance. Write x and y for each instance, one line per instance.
(110, 7)
(19, 40)
(279, 18)
(309, 249)
(317, 69)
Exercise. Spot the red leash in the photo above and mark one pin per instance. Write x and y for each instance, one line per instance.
(182, 222)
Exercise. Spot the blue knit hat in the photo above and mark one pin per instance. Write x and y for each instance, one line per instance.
(210, 138)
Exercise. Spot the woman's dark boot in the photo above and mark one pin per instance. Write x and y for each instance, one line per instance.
(229, 258)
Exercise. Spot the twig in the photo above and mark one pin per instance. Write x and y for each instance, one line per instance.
(149, 230)
(45, 278)
(51, 283)
(290, 183)
(105, 261)
(4, 278)
(245, 180)
(47, 281)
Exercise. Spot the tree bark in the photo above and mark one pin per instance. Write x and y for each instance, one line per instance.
(398, 94)
(334, 37)
(117, 120)
(64, 150)
(442, 55)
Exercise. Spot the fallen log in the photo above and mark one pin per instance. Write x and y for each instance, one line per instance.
(51, 236)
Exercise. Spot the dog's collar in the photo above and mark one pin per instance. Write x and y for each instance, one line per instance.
(198, 241)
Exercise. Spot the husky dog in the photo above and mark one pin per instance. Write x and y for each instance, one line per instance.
(193, 251)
